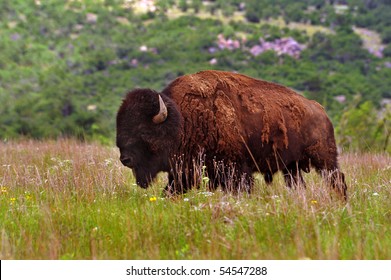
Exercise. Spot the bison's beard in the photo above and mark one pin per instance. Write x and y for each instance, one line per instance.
(144, 176)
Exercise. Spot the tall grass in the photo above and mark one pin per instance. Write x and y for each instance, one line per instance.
(68, 200)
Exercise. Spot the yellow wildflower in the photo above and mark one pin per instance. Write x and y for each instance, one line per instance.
(314, 202)
(4, 190)
(152, 198)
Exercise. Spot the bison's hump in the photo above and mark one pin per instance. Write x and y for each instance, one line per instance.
(225, 107)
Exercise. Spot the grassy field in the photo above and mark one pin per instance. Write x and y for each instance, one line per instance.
(67, 200)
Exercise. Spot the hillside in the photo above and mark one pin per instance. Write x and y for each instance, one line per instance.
(65, 65)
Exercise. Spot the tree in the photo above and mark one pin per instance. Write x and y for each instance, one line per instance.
(196, 5)
(360, 128)
(183, 5)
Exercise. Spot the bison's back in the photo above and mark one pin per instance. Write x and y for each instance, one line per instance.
(224, 110)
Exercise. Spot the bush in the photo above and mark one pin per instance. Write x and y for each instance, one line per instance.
(361, 129)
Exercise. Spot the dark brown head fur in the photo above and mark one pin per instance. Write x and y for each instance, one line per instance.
(145, 147)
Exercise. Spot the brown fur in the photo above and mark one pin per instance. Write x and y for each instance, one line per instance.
(248, 125)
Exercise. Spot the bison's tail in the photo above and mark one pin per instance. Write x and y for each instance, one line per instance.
(339, 184)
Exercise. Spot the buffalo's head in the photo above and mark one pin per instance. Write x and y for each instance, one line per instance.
(149, 127)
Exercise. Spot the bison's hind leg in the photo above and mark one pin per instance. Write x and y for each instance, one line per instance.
(292, 175)
(268, 176)
(333, 176)
(336, 179)
(325, 162)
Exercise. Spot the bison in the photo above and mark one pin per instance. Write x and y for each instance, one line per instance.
(230, 124)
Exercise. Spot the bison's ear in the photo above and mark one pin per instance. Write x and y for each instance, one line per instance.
(162, 115)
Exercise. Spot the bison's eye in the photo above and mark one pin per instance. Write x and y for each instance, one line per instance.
(126, 160)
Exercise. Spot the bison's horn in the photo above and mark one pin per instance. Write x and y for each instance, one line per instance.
(162, 115)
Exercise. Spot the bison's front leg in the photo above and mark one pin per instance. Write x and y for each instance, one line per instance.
(292, 176)
(179, 183)
(236, 178)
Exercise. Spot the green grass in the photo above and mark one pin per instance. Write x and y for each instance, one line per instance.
(67, 200)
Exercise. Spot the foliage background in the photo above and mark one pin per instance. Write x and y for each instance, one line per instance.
(65, 65)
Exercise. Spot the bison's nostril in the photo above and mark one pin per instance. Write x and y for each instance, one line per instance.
(126, 161)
